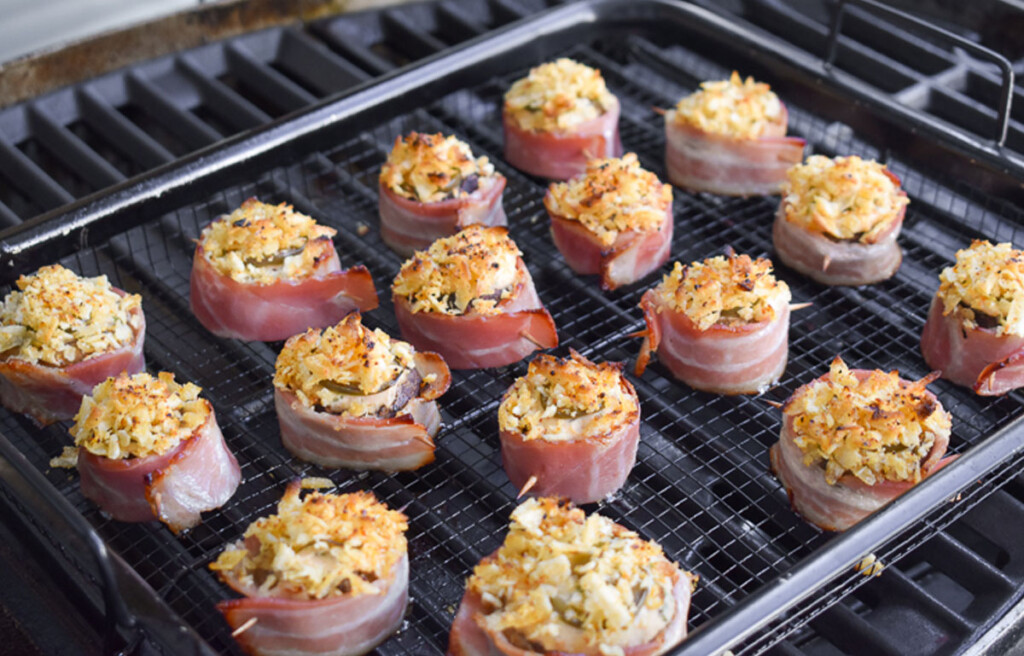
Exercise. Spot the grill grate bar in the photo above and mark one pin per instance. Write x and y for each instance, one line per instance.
(348, 40)
(30, 178)
(266, 82)
(111, 123)
(855, 635)
(7, 217)
(97, 171)
(229, 106)
(408, 37)
(182, 123)
(316, 65)
(456, 24)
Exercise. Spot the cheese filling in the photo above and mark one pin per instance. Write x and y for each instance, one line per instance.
(563, 581)
(845, 198)
(879, 428)
(733, 289)
(612, 196)
(738, 108)
(557, 97)
(431, 167)
(473, 270)
(567, 399)
(56, 318)
(262, 244)
(138, 416)
(329, 367)
(986, 287)
(323, 545)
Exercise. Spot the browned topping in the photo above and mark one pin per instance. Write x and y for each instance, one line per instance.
(431, 167)
(557, 97)
(986, 285)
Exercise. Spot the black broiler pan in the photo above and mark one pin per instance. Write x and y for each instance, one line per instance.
(701, 486)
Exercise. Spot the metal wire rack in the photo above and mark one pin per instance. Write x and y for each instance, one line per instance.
(701, 486)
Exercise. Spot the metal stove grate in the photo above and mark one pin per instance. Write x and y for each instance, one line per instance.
(701, 486)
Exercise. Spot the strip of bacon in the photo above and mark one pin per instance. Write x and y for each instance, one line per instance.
(976, 357)
(50, 394)
(700, 161)
(408, 225)
(339, 626)
(724, 359)
(199, 474)
(561, 156)
(632, 256)
(469, 637)
(277, 311)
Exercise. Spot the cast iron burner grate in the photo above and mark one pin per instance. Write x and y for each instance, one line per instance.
(701, 486)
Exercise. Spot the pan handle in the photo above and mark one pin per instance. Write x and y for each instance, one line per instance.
(43, 500)
(980, 51)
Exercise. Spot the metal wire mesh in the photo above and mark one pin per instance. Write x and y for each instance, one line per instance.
(701, 487)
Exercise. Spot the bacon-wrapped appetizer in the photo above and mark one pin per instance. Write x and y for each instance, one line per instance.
(266, 272)
(60, 335)
(729, 137)
(721, 325)
(615, 219)
(854, 440)
(558, 118)
(353, 397)
(327, 574)
(470, 298)
(974, 333)
(572, 426)
(148, 448)
(567, 584)
(432, 187)
(839, 219)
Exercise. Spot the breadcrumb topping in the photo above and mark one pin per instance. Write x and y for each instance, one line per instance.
(558, 96)
(845, 198)
(262, 243)
(322, 367)
(432, 167)
(877, 428)
(563, 577)
(612, 196)
(567, 398)
(986, 285)
(138, 416)
(731, 289)
(743, 109)
(323, 545)
(472, 270)
(57, 318)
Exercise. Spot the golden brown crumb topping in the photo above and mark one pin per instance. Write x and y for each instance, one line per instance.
(323, 545)
(322, 367)
(57, 318)
(432, 167)
(729, 289)
(472, 270)
(612, 196)
(743, 109)
(558, 96)
(878, 427)
(987, 286)
(262, 243)
(567, 398)
(563, 577)
(138, 416)
(845, 198)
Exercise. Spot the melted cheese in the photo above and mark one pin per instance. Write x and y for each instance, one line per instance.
(846, 198)
(612, 196)
(323, 545)
(986, 280)
(879, 428)
(138, 416)
(567, 399)
(431, 167)
(563, 576)
(730, 290)
(742, 109)
(261, 243)
(473, 270)
(322, 367)
(56, 318)
(557, 97)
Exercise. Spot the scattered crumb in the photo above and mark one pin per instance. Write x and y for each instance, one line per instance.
(869, 566)
(362, 229)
